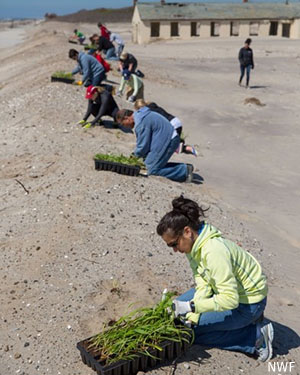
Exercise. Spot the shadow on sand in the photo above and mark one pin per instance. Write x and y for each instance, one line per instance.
(258, 87)
(108, 124)
(285, 339)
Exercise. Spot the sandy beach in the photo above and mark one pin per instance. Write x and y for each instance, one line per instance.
(71, 235)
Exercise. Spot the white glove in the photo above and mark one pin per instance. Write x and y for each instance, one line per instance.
(181, 308)
(132, 99)
(119, 93)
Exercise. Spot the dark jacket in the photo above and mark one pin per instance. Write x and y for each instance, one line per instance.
(130, 60)
(104, 44)
(246, 56)
(155, 108)
(104, 105)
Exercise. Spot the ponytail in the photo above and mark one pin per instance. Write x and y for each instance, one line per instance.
(185, 213)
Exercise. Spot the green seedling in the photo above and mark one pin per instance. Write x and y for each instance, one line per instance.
(61, 74)
(132, 160)
(140, 332)
(90, 46)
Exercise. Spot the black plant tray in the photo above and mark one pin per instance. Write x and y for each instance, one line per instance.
(72, 41)
(129, 170)
(142, 362)
(61, 79)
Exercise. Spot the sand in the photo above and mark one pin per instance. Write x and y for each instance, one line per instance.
(76, 234)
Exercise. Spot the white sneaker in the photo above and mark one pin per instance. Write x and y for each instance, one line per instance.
(265, 350)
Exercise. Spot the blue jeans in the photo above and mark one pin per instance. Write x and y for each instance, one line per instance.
(96, 80)
(120, 49)
(111, 54)
(248, 69)
(173, 171)
(232, 329)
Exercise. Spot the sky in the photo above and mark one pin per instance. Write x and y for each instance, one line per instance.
(37, 8)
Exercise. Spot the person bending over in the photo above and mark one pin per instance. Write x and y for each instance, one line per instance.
(156, 141)
(93, 72)
(101, 103)
(107, 47)
(79, 36)
(135, 86)
(226, 306)
(175, 122)
(128, 62)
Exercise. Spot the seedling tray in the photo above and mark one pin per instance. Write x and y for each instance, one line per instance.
(61, 79)
(170, 350)
(129, 170)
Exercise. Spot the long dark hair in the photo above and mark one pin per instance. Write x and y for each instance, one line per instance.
(185, 213)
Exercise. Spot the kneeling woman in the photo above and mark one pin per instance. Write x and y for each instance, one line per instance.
(226, 307)
(101, 103)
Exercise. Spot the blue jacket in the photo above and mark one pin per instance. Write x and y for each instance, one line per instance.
(89, 66)
(153, 135)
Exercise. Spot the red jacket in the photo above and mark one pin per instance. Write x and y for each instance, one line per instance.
(104, 63)
(104, 32)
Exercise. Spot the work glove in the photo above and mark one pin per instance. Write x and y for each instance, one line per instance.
(79, 83)
(81, 122)
(132, 99)
(119, 93)
(181, 308)
(87, 125)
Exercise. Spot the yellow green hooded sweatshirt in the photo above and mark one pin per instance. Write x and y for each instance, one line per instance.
(225, 274)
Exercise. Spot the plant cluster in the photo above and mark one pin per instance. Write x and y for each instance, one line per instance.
(62, 74)
(139, 332)
(90, 46)
(131, 160)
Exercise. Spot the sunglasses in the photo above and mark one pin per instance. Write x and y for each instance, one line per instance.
(174, 244)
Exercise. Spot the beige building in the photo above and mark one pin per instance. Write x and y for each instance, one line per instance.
(163, 20)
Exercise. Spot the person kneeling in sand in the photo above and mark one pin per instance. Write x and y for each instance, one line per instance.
(135, 86)
(156, 141)
(93, 72)
(225, 309)
(101, 103)
(175, 122)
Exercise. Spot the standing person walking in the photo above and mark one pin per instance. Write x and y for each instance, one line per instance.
(226, 306)
(156, 141)
(93, 72)
(246, 61)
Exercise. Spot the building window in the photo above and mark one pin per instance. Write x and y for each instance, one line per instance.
(214, 29)
(234, 29)
(253, 28)
(273, 28)
(155, 29)
(174, 29)
(194, 29)
(286, 30)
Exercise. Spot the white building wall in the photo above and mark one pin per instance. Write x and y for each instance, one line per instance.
(185, 30)
(244, 29)
(224, 28)
(204, 29)
(295, 29)
(264, 28)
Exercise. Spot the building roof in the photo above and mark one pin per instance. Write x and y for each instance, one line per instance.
(222, 11)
